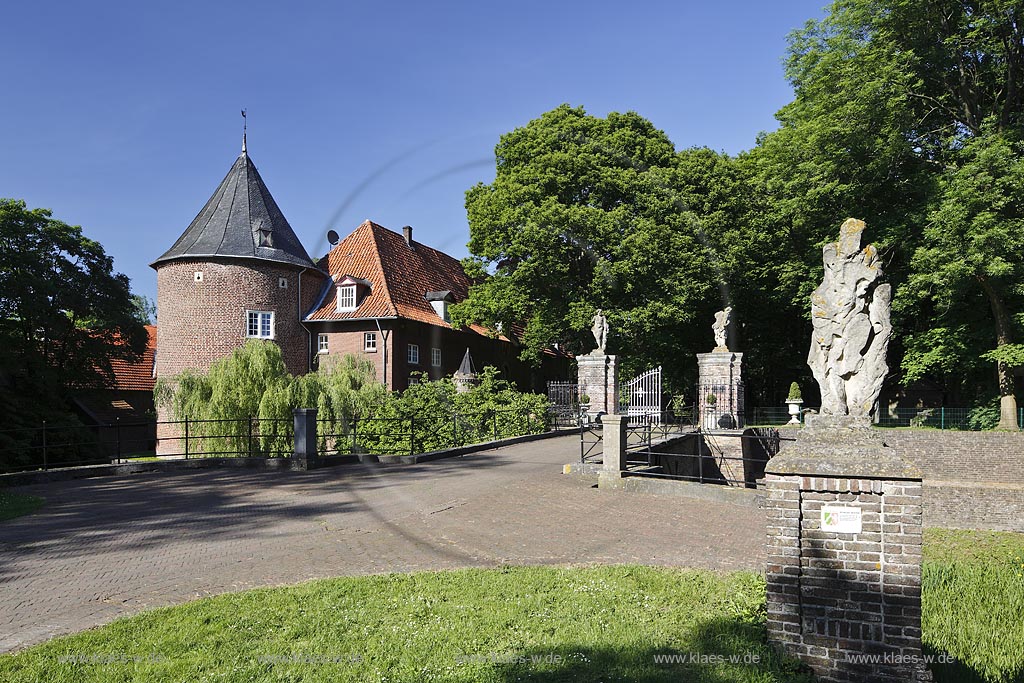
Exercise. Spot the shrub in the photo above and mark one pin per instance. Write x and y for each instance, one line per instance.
(794, 393)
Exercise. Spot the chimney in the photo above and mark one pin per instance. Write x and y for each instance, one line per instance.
(407, 232)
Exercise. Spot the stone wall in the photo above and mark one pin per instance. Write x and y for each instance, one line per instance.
(972, 480)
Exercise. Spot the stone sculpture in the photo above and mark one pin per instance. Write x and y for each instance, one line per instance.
(600, 330)
(851, 327)
(721, 328)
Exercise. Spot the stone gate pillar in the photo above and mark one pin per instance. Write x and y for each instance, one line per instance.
(598, 379)
(720, 374)
(844, 554)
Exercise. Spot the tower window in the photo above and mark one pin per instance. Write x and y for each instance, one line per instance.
(266, 238)
(259, 324)
(198, 276)
(282, 282)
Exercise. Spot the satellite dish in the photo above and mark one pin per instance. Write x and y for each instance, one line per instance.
(332, 237)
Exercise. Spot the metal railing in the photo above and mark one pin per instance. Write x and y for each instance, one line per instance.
(52, 446)
(710, 457)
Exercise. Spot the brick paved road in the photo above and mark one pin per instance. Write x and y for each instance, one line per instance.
(106, 547)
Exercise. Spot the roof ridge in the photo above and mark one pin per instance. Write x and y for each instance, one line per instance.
(380, 265)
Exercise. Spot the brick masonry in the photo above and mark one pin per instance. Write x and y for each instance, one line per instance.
(835, 597)
(203, 321)
(972, 480)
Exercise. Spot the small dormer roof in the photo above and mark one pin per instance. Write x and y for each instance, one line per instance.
(445, 295)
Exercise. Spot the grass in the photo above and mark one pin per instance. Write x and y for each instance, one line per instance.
(17, 504)
(539, 624)
(581, 624)
(973, 604)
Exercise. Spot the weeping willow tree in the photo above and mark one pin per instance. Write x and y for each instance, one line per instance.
(244, 403)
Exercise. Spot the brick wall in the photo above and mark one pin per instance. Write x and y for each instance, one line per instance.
(203, 321)
(347, 337)
(972, 480)
(834, 596)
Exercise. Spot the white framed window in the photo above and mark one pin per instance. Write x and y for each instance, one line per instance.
(413, 355)
(259, 324)
(347, 298)
(370, 342)
(322, 343)
(435, 357)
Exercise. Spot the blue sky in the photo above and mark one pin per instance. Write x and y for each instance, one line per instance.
(123, 117)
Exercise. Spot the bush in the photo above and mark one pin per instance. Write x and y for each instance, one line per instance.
(355, 412)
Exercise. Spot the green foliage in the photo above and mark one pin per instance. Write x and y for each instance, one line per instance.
(587, 213)
(64, 313)
(794, 392)
(984, 415)
(64, 316)
(244, 404)
(17, 504)
(1010, 354)
(430, 416)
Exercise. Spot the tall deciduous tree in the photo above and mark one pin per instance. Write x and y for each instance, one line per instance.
(588, 213)
(894, 99)
(64, 312)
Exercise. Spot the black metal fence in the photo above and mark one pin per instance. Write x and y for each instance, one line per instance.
(735, 459)
(51, 446)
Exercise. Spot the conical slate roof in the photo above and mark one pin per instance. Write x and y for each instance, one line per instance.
(241, 220)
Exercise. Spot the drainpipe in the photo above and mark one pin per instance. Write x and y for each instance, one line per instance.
(309, 335)
(384, 348)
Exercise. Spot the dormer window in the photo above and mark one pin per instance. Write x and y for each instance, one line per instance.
(439, 301)
(266, 238)
(347, 298)
(351, 292)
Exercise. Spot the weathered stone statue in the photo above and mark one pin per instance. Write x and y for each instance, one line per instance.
(850, 317)
(721, 328)
(600, 330)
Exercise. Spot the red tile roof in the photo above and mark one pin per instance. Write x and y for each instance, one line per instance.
(399, 277)
(137, 376)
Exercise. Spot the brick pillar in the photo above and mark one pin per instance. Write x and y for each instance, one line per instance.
(598, 379)
(305, 455)
(720, 373)
(844, 554)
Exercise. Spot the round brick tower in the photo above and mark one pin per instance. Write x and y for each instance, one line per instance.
(237, 273)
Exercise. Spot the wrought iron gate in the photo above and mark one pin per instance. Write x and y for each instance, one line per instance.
(641, 396)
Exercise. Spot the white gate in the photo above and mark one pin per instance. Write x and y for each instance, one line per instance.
(642, 395)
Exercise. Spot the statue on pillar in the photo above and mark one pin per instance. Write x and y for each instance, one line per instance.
(851, 327)
(721, 328)
(600, 330)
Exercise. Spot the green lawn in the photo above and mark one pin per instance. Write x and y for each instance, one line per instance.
(17, 504)
(540, 624)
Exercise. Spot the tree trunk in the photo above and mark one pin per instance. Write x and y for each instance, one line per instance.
(1007, 398)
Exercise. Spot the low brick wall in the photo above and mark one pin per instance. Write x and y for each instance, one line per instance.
(972, 480)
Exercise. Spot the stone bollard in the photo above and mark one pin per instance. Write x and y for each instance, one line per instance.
(305, 455)
(844, 554)
(613, 441)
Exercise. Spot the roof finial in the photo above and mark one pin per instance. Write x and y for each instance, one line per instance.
(243, 131)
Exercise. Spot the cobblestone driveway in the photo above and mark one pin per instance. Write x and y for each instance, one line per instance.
(107, 547)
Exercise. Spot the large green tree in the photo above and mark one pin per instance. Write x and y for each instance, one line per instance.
(894, 100)
(64, 312)
(591, 213)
